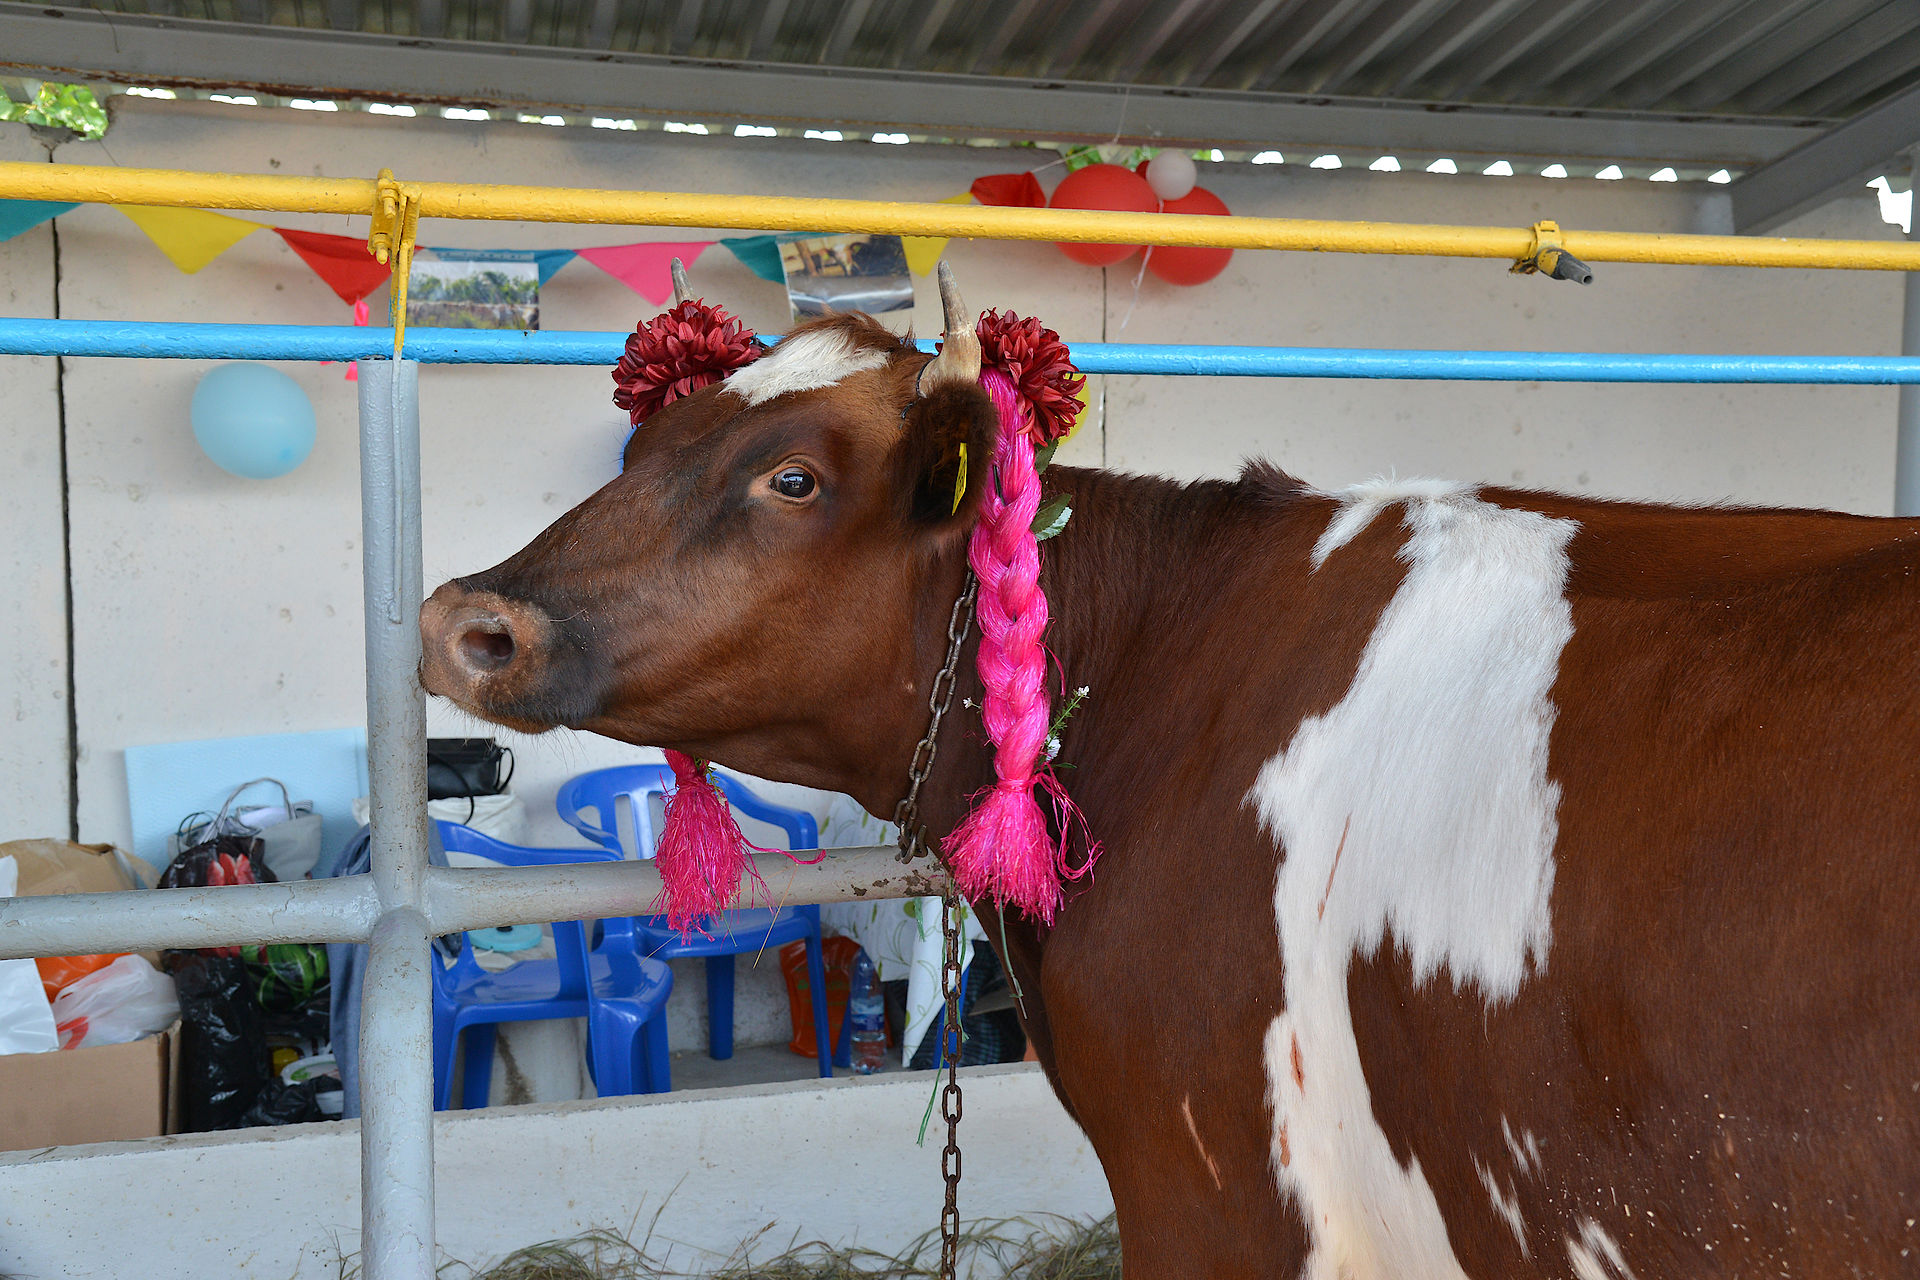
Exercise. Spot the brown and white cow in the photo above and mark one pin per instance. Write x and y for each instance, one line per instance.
(1496, 883)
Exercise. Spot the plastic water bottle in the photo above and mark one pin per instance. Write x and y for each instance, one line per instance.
(868, 1010)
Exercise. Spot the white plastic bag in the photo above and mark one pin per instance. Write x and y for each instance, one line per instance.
(26, 1023)
(124, 1001)
(504, 817)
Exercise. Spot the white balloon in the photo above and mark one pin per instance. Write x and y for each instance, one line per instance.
(1171, 174)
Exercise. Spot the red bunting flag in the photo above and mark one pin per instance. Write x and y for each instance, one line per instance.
(1019, 190)
(344, 262)
(645, 268)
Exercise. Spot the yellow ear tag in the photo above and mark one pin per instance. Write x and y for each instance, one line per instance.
(960, 481)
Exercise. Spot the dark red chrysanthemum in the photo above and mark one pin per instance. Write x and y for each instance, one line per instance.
(678, 352)
(1041, 368)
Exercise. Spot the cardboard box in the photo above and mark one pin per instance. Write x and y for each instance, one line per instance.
(108, 1093)
(60, 866)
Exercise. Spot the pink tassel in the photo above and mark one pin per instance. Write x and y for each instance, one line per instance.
(702, 851)
(1003, 851)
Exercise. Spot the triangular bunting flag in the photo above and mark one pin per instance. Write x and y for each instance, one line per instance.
(1018, 190)
(546, 261)
(923, 252)
(760, 255)
(191, 237)
(17, 216)
(344, 262)
(645, 268)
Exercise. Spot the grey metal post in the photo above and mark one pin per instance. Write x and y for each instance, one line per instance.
(1906, 446)
(396, 1028)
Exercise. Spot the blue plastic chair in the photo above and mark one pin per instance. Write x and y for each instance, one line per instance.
(726, 935)
(621, 993)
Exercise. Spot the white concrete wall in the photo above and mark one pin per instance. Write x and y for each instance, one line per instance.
(832, 1161)
(211, 606)
(33, 628)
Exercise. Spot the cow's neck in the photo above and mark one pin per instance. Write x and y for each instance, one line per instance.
(1121, 583)
(1134, 555)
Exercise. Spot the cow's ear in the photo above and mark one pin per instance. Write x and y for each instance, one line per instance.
(947, 422)
(951, 424)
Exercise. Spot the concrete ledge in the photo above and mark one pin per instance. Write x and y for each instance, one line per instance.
(831, 1160)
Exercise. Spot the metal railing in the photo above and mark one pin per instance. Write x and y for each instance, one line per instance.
(402, 903)
(20, 180)
(160, 340)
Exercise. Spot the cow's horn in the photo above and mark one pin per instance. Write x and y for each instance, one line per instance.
(682, 291)
(959, 359)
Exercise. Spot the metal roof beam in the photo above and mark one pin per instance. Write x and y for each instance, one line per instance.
(1809, 176)
(853, 15)
(352, 64)
(603, 18)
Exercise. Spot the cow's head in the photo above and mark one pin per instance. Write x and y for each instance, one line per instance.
(759, 583)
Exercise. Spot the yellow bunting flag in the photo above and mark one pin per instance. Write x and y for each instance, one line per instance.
(191, 237)
(923, 252)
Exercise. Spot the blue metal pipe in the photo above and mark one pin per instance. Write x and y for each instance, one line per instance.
(482, 346)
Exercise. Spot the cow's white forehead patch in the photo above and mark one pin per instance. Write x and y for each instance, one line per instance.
(806, 363)
(1420, 804)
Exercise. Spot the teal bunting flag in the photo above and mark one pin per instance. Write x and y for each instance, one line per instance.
(760, 255)
(17, 216)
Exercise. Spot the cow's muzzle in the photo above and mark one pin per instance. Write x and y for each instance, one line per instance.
(480, 649)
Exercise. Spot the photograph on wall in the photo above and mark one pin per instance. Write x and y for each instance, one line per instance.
(467, 293)
(831, 274)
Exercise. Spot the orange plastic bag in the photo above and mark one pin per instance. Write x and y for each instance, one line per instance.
(838, 954)
(57, 971)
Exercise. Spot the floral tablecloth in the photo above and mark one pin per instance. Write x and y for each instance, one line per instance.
(901, 935)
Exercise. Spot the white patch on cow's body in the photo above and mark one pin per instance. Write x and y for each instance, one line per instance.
(1419, 803)
(1595, 1255)
(805, 363)
(1527, 1156)
(1361, 503)
(1505, 1203)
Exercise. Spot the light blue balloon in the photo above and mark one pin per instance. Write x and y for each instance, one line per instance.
(253, 420)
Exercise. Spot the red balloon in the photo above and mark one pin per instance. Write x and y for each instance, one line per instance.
(1186, 264)
(1104, 186)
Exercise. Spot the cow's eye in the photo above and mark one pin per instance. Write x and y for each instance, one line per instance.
(793, 482)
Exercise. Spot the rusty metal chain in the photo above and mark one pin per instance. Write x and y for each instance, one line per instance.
(913, 842)
(906, 815)
(950, 1092)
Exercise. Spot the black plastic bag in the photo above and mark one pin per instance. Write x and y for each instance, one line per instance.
(282, 1103)
(224, 1063)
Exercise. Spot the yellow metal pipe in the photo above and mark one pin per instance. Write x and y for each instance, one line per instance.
(102, 185)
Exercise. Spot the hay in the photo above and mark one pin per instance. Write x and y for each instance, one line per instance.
(1054, 1248)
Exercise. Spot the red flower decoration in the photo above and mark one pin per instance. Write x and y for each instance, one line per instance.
(1041, 368)
(678, 352)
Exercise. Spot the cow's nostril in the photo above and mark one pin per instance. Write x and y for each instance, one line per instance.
(486, 648)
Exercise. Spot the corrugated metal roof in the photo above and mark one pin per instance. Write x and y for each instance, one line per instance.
(1824, 59)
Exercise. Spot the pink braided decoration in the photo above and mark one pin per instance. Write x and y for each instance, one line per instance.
(1003, 850)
